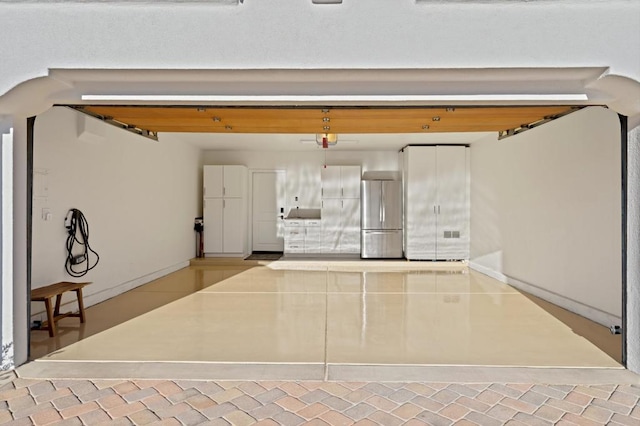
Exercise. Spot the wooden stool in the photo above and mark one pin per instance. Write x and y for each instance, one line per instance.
(44, 294)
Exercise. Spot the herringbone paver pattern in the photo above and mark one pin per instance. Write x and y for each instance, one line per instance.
(77, 402)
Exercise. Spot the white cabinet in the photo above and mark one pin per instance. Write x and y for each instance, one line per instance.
(224, 181)
(350, 226)
(302, 236)
(340, 182)
(341, 210)
(436, 201)
(331, 225)
(293, 236)
(225, 210)
(312, 236)
(212, 232)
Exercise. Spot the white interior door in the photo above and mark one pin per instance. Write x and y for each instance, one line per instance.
(268, 210)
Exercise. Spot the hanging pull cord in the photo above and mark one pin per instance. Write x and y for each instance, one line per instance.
(78, 229)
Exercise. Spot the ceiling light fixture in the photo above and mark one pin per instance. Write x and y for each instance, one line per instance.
(436, 118)
(326, 140)
(425, 127)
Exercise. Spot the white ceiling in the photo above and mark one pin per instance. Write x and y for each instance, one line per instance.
(346, 142)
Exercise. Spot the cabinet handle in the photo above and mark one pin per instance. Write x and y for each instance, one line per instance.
(224, 204)
(438, 209)
(434, 209)
(342, 192)
(224, 190)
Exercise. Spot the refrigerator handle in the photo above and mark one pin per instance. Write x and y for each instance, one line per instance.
(380, 207)
(382, 203)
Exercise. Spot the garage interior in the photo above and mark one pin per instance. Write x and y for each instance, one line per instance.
(545, 217)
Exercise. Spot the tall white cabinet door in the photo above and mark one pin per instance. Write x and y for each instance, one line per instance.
(234, 181)
(420, 202)
(234, 225)
(350, 226)
(331, 225)
(212, 233)
(213, 181)
(331, 182)
(452, 202)
(350, 177)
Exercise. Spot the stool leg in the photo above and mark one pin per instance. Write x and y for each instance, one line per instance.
(56, 311)
(52, 324)
(80, 304)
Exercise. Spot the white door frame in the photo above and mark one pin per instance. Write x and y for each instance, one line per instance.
(250, 215)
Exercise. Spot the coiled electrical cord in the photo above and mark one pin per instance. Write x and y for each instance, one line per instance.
(77, 224)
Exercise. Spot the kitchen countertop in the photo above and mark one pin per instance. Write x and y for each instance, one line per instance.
(303, 214)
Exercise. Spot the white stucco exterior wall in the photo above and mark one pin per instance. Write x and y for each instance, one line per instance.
(295, 34)
(6, 229)
(633, 251)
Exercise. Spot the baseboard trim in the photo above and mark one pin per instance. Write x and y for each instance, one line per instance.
(106, 294)
(594, 314)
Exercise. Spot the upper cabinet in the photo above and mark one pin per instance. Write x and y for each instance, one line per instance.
(224, 181)
(340, 182)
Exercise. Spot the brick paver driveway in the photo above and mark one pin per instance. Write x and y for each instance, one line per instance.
(24, 401)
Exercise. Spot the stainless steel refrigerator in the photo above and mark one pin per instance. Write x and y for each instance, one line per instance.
(381, 215)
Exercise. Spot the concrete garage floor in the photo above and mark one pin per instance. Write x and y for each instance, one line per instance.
(317, 320)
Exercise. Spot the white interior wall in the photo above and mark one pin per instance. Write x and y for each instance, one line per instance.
(546, 212)
(139, 196)
(303, 168)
